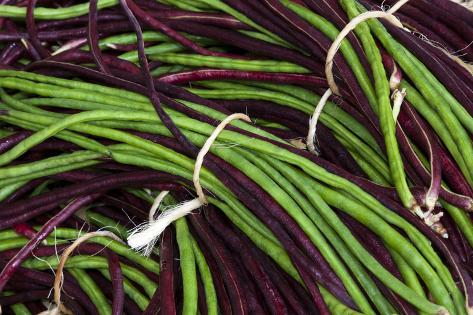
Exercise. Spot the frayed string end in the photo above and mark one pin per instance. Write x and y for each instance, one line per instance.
(144, 237)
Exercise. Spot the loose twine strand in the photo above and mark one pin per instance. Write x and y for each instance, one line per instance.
(333, 88)
(59, 307)
(144, 236)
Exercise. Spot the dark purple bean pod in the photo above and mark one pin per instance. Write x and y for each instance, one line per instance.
(163, 28)
(216, 19)
(226, 266)
(461, 90)
(222, 296)
(324, 43)
(151, 92)
(53, 198)
(165, 300)
(116, 277)
(434, 178)
(252, 45)
(45, 230)
(221, 74)
(32, 31)
(453, 9)
(54, 144)
(455, 237)
(454, 38)
(372, 243)
(79, 21)
(92, 37)
(240, 244)
(22, 285)
(256, 11)
(78, 56)
(106, 29)
(462, 28)
(130, 307)
(70, 286)
(203, 309)
(24, 296)
(8, 142)
(421, 31)
(332, 11)
(24, 230)
(11, 53)
(297, 304)
(411, 122)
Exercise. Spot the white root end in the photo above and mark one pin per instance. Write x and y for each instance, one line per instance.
(398, 99)
(145, 236)
(313, 122)
(59, 308)
(156, 204)
(430, 201)
(387, 15)
(70, 45)
(433, 221)
(206, 148)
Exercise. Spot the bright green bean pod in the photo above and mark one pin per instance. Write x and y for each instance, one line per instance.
(92, 290)
(433, 92)
(7, 234)
(334, 305)
(94, 262)
(273, 170)
(47, 172)
(346, 49)
(53, 14)
(6, 191)
(372, 173)
(438, 124)
(408, 274)
(105, 222)
(55, 161)
(220, 5)
(385, 113)
(188, 268)
(229, 63)
(206, 276)
(119, 248)
(20, 309)
(163, 48)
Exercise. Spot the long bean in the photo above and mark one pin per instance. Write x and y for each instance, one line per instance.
(188, 267)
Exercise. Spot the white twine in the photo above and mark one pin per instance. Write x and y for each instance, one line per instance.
(156, 204)
(59, 308)
(333, 88)
(206, 148)
(313, 122)
(387, 15)
(144, 237)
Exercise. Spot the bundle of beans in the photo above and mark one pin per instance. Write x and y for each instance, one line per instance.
(348, 192)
